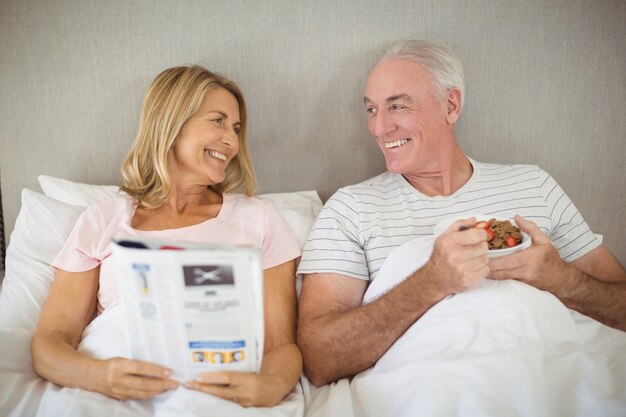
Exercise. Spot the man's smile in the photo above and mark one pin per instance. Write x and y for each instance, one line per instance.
(396, 143)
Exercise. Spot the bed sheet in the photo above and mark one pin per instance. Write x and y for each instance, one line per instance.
(503, 348)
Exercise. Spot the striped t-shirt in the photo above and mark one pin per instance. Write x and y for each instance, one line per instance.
(361, 224)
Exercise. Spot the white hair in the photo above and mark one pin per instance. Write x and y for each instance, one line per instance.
(439, 60)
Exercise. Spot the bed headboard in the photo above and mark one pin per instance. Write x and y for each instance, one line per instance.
(2, 234)
(545, 85)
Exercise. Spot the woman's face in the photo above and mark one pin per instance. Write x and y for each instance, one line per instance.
(208, 141)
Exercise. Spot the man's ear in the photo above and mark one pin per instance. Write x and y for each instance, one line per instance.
(453, 105)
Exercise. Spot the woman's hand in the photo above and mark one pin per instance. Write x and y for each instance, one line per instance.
(282, 360)
(245, 388)
(127, 379)
(70, 306)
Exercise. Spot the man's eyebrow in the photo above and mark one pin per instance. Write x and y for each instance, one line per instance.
(404, 97)
(391, 99)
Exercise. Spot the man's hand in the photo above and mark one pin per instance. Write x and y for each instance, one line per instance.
(459, 259)
(540, 265)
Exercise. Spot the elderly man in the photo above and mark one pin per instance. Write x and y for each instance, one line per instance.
(413, 99)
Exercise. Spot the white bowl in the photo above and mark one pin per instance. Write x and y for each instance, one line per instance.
(493, 253)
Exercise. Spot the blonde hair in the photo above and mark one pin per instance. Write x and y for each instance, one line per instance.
(172, 98)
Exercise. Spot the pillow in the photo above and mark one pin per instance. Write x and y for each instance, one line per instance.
(300, 209)
(76, 193)
(40, 231)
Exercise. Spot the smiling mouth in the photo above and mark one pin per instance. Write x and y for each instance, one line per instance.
(215, 154)
(396, 143)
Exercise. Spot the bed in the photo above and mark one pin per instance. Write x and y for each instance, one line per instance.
(504, 348)
(545, 85)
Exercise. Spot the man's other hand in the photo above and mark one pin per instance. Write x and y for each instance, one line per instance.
(540, 265)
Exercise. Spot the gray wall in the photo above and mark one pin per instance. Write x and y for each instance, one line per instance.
(546, 85)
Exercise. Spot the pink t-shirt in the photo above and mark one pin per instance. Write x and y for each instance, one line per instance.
(241, 221)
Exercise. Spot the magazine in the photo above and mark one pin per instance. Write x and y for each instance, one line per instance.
(193, 308)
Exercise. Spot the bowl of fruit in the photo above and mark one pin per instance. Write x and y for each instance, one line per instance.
(505, 237)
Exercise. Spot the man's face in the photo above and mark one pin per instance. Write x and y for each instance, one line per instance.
(405, 116)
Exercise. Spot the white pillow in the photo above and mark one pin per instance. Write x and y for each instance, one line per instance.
(300, 208)
(76, 193)
(40, 231)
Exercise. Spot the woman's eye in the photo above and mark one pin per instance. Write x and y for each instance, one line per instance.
(218, 120)
(237, 129)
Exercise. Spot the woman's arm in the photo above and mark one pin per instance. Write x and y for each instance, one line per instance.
(70, 306)
(282, 361)
(282, 358)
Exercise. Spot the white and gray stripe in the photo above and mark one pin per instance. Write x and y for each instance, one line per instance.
(361, 224)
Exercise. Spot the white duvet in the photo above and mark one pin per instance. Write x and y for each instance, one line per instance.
(22, 393)
(501, 349)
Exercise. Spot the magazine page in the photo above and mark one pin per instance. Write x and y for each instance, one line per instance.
(190, 307)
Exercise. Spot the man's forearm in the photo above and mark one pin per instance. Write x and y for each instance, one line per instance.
(599, 299)
(344, 343)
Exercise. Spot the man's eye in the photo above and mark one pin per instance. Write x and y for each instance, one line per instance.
(371, 110)
(397, 107)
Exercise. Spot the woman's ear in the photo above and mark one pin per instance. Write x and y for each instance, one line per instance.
(453, 105)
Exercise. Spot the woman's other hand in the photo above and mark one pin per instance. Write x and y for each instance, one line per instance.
(245, 388)
(282, 360)
(127, 379)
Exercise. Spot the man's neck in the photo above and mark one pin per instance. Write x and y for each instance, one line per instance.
(445, 176)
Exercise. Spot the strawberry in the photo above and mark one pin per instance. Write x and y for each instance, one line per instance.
(167, 247)
(491, 233)
(510, 241)
(482, 225)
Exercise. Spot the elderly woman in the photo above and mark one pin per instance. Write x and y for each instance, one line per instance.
(190, 154)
